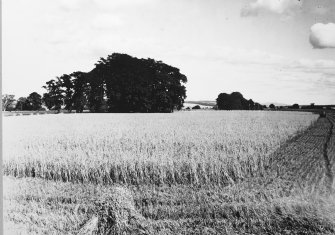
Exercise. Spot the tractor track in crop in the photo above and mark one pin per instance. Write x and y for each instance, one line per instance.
(328, 162)
(308, 160)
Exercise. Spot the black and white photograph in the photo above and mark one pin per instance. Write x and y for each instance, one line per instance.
(163, 117)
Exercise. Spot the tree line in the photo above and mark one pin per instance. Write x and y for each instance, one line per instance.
(118, 83)
(236, 101)
(122, 83)
(31, 103)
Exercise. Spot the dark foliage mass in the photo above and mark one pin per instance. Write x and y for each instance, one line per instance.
(236, 101)
(119, 83)
(32, 102)
(294, 106)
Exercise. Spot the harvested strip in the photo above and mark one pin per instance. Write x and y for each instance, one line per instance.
(304, 161)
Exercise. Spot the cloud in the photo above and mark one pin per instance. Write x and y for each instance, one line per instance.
(281, 7)
(322, 35)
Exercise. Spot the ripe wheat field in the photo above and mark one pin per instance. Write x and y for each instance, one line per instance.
(202, 172)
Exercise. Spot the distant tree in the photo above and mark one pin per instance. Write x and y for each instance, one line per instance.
(295, 106)
(235, 101)
(22, 104)
(264, 106)
(60, 92)
(48, 100)
(7, 101)
(196, 107)
(67, 91)
(135, 85)
(251, 104)
(258, 106)
(224, 101)
(81, 91)
(54, 97)
(119, 83)
(312, 105)
(272, 106)
(35, 101)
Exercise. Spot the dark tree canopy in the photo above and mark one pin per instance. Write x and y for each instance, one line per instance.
(80, 91)
(295, 106)
(272, 106)
(31, 103)
(236, 101)
(21, 104)
(53, 99)
(120, 83)
(34, 101)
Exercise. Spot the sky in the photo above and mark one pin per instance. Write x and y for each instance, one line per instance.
(269, 50)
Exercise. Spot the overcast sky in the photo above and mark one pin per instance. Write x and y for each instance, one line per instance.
(269, 50)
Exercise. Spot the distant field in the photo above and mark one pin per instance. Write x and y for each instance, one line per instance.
(203, 103)
(25, 113)
(220, 172)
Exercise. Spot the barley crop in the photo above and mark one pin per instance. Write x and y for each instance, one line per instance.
(219, 148)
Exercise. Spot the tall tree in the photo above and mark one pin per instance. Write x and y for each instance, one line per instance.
(251, 105)
(35, 101)
(54, 98)
(224, 101)
(295, 106)
(236, 101)
(48, 100)
(136, 85)
(67, 90)
(7, 100)
(22, 104)
(81, 91)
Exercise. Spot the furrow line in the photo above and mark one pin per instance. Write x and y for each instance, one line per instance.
(328, 165)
